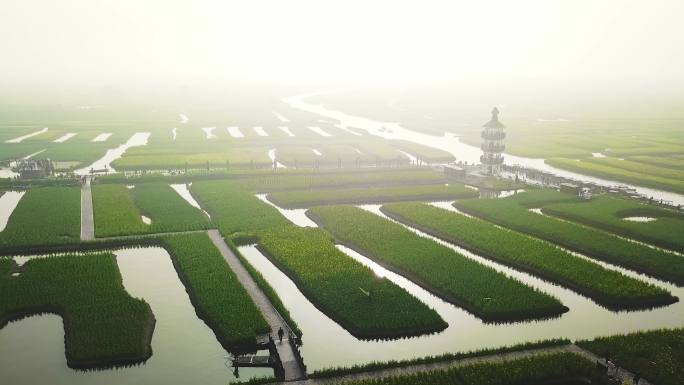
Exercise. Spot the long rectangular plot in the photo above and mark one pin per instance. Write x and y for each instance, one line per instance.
(342, 288)
(513, 212)
(44, 216)
(308, 198)
(661, 227)
(482, 290)
(607, 287)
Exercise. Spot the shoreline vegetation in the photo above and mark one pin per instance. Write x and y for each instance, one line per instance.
(334, 283)
(309, 258)
(608, 288)
(640, 174)
(488, 294)
(218, 297)
(103, 325)
(308, 198)
(562, 367)
(380, 365)
(513, 213)
(607, 213)
(656, 354)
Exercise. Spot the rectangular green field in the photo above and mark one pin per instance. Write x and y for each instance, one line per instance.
(308, 198)
(118, 210)
(44, 216)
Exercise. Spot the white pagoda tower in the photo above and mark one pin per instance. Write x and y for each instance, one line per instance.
(492, 144)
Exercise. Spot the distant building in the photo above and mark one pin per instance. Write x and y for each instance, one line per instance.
(492, 145)
(34, 168)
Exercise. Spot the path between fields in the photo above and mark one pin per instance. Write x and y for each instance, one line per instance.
(292, 369)
(293, 372)
(87, 221)
(420, 368)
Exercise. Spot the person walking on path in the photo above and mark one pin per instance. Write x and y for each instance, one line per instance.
(280, 334)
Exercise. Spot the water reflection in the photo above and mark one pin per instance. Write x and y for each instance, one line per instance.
(461, 151)
(327, 344)
(8, 202)
(296, 216)
(105, 163)
(183, 190)
(185, 350)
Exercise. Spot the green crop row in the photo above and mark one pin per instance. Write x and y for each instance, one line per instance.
(669, 162)
(667, 230)
(167, 209)
(44, 216)
(219, 298)
(381, 365)
(513, 212)
(235, 210)
(367, 306)
(268, 290)
(482, 290)
(640, 177)
(541, 369)
(118, 210)
(115, 213)
(607, 287)
(656, 355)
(308, 198)
(290, 179)
(347, 291)
(103, 324)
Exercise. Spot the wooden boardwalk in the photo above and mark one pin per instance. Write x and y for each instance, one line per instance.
(293, 371)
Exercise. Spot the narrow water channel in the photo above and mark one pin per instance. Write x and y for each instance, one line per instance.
(296, 216)
(185, 350)
(184, 192)
(453, 145)
(105, 163)
(8, 202)
(327, 344)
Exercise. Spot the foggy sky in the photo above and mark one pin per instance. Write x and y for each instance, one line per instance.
(358, 41)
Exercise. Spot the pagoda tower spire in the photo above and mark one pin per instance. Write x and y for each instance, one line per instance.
(492, 144)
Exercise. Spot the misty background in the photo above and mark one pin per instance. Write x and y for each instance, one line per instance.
(583, 54)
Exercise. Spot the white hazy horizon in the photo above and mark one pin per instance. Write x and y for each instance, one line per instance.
(94, 42)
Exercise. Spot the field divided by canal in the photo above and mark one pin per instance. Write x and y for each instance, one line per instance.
(658, 226)
(514, 213)
(103, 324)
(119, 210)
(308, 198)
(608, 288)
(369, 307)
(487, 293)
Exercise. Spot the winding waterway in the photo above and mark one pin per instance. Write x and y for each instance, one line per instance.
(461, 151)
(327, 344)
(105, 163)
